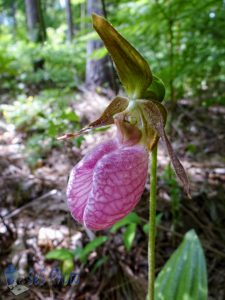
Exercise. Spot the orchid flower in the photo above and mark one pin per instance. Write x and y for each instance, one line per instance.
(109, 181)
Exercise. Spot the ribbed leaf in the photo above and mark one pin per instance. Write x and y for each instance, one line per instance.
(133, 70)
(184, 276)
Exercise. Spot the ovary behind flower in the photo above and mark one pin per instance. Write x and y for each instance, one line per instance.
(107, 183)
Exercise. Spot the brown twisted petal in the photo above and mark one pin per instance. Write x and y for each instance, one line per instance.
(117, 105)
(150, 131)
(155, 112)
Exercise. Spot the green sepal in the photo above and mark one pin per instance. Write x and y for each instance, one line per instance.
(132, 68)
(156, 91)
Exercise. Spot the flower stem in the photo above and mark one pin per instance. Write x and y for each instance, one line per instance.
(152, 227)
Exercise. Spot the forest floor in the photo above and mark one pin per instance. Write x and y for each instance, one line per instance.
(34, 216)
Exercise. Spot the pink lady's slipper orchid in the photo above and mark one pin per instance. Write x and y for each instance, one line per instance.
(109, 181)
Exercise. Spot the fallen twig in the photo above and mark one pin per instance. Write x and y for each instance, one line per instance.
(18, 210)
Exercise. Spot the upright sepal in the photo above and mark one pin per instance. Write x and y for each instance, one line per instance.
(132, 68)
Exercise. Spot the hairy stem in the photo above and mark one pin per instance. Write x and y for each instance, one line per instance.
(152, 227)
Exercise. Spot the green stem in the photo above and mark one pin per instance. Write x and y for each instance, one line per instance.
(152, 228)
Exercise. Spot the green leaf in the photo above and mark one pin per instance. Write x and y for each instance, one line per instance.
(129, 235)
(184, 276)
(130, 218)
(67, 268)
(60, 254)
(82, 254)
(132, 68)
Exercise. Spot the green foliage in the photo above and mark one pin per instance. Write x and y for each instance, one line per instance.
(67, 267)
(67, 257)
(129, 224)
(183, 40)
(129, 235)
(83, 253)
(184, 277)
(63, 63)
(42, 118)
(186, 52)
(80, 253)
(191, 148)
(60, 254)
(129, 219)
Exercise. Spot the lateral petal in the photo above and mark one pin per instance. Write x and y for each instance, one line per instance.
(157, 115)
(118, 104)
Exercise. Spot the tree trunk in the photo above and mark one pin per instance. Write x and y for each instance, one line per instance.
(98, 71)
(35, 21)
(13, 13)
(69, 18)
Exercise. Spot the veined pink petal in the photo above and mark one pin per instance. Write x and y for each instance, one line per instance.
(107, 184)
(118, 182)
(81, 179)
